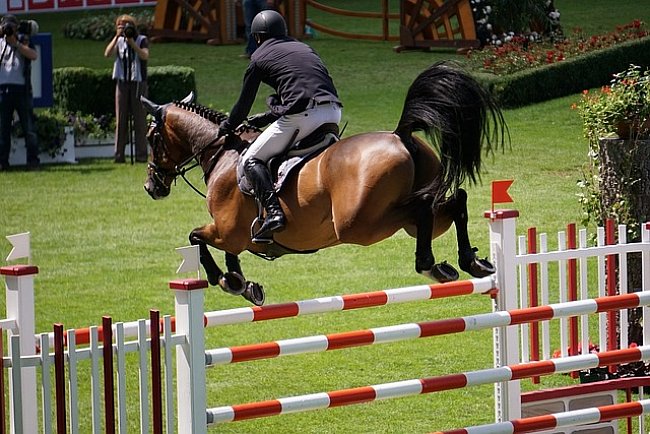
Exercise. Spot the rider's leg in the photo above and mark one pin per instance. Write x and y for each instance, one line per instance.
(259, 175)
(274, 140)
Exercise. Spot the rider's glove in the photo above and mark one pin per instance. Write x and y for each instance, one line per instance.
(224, 130)
(260, 120)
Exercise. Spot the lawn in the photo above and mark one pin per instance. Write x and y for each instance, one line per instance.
(105, 248)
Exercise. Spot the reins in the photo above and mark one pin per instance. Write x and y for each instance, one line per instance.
(181, 170)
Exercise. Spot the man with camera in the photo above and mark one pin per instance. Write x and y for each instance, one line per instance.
(16, 55)
(131, 51)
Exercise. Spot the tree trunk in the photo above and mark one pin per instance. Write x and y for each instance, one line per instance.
(625, 179)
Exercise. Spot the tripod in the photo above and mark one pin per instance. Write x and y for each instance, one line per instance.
(127, 61)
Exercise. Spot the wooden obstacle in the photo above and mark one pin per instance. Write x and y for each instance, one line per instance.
(436, 24)
(214, 22)
(422, 24)
(384, 17)
(185, 341)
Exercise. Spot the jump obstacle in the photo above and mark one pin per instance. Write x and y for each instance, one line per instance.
(177, 343)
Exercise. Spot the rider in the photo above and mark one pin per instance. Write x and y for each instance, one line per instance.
(304, 99)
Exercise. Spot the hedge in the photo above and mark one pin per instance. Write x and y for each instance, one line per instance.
(92, 91)
(568, 77)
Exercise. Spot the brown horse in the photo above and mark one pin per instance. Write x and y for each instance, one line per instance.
(360, 190)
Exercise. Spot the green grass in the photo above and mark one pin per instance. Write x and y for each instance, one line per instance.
(105, 248)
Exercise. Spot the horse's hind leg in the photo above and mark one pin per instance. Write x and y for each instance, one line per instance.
(425, 262)
(467, 259)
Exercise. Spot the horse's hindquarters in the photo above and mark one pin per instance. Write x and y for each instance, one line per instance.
(362, 184)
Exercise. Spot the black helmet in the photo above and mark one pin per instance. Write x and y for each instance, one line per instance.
(269, 24)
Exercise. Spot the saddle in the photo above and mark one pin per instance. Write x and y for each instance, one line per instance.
(294, 158)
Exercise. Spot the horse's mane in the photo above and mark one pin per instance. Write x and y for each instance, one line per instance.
(213, 116)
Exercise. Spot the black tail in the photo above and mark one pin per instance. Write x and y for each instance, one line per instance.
(458, 116)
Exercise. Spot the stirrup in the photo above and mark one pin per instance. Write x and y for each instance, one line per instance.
(265, 235)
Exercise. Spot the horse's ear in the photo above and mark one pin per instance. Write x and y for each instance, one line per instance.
(189, 98)
(153, 108)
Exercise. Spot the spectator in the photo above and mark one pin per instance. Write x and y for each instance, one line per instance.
(16, 55)
(251, 8)
(131, 52)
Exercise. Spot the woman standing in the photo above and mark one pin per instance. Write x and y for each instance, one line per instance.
(131, 52)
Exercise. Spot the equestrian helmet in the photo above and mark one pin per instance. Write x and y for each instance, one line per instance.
(269, 24)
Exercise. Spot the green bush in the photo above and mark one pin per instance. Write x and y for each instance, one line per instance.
(568, 77)
(73, 86)
(101, 27)
(169, 83)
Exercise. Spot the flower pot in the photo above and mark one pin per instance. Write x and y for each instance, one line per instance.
(633, 129)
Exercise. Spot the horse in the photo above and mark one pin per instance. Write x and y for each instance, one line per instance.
(360, 190)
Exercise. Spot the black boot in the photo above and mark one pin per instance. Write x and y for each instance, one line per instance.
(259, 176)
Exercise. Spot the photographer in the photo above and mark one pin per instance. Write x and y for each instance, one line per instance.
(131, 51)
(16, 55)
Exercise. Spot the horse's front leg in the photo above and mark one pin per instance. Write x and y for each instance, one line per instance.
(236, 283)
(212, 270)
(467, 259)
(425, 262)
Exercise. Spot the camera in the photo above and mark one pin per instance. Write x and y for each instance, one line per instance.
(10, 26)
(129, 31)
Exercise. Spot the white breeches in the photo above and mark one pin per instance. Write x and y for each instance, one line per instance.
(275, 138)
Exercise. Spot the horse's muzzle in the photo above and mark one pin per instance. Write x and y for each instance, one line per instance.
(155, 189)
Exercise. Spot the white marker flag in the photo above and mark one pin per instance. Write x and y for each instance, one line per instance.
(190, 262)
(20, 242)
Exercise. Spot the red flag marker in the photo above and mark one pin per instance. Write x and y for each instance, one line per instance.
(500, 192)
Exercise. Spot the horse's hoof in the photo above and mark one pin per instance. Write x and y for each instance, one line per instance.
(254, 293)
(481, 268)
(471, 264)
(233, 283)
(442, 272)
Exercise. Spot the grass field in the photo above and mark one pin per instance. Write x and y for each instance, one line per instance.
(105, 248)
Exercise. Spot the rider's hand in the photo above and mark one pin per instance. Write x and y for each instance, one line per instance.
(224, 130)
(259, 120)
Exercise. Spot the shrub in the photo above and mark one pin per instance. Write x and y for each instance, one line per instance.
(72, 85)
(625, 101)
(498, 20)
(102, 27)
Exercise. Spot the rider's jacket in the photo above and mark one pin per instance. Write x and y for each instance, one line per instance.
(294, 71)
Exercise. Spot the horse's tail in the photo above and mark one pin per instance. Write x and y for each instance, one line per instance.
(458, 116)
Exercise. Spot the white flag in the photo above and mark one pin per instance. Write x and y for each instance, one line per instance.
(20, 242)
(190, 262)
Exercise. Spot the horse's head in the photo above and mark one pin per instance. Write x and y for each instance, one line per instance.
(169, 152)
(185, 134)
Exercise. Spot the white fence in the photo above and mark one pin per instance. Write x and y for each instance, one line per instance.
(162, 346)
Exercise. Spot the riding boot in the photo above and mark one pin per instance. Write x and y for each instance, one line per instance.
(260, 177)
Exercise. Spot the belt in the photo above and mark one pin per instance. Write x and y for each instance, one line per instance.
(328, 103)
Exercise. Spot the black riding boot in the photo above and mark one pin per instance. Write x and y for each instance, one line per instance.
(259, 176)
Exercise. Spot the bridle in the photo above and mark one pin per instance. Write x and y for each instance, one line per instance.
(160, 174)
(158, 146)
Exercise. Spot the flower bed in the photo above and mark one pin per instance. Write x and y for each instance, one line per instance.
(519, 52)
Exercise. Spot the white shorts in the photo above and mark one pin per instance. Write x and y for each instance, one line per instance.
(275, 138)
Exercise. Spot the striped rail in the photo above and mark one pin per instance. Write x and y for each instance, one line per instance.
(400, 389)
(362, 300)
(566, 419)
(320, 343)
